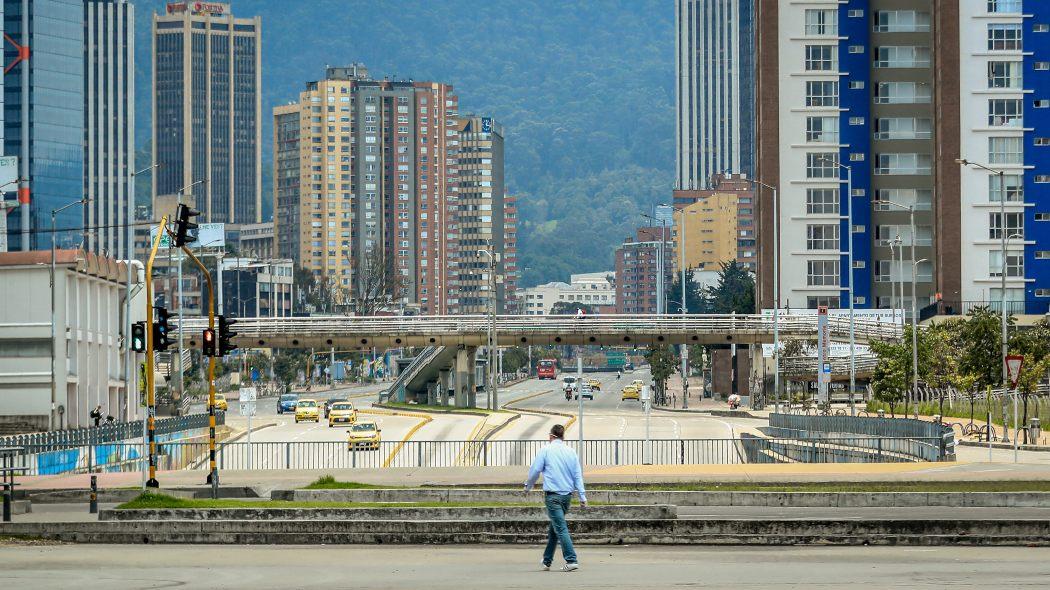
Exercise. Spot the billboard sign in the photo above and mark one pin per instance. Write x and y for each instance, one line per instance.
(209, 235)
(8, 173)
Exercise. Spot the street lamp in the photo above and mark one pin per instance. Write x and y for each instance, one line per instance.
(685, 348)
(54, 393)
(1002, 234)
(914, 298)
(849, 238)
(493, 395)
(776, 293)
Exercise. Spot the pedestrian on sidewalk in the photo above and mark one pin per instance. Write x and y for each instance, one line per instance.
(562, 475)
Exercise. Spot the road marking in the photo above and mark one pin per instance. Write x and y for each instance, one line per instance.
(424, 420)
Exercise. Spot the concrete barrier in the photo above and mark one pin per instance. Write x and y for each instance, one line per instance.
(468, 513)
(596, 531)
(687, 498)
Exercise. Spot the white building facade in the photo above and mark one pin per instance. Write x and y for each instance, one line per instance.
(596, 289)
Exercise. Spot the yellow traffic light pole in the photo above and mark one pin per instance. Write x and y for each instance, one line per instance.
(151, 396)
(213, 474)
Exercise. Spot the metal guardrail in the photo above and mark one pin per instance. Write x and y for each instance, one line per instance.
(106, 433)
(806, 366)
(934, 441)
(397, 331)
(498, 453)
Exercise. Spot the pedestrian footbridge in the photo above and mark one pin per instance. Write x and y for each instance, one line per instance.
(516, 330)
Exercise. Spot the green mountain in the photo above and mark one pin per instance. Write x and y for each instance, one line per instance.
(584, 90)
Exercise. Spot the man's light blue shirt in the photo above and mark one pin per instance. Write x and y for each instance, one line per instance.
(560, 468)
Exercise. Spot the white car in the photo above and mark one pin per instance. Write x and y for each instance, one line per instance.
(569, 384)
(586, 391)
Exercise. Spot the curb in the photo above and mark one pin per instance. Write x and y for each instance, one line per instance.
(1003, 446)
(718, 413)
(460, 411)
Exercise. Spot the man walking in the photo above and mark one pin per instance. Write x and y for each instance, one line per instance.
(562, 475)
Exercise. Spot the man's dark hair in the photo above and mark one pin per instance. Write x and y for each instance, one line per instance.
(558, 431)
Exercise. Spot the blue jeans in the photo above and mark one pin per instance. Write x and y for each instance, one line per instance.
(557, 508)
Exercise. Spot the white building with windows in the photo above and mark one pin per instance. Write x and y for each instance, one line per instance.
(595, 289)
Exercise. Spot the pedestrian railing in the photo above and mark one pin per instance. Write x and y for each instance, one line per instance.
(612, 452)
(107, 433)
(930, 441)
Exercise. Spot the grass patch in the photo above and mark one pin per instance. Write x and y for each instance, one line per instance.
(149, 500)
(327, 482)
(429, 408)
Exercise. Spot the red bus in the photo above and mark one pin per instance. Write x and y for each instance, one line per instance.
(547, 369)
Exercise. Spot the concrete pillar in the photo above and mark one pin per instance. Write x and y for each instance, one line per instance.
(444, 377)
(432, 393)
(464, 376)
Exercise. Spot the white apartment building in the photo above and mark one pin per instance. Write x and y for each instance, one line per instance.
(597, 289)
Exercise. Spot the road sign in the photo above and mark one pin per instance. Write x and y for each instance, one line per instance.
(823, 354)
(247, 408)
(249, 394)
(1014, 362)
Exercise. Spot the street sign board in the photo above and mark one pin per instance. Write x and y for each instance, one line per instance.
(644, 395)
(247, 408)
(249, 394)
(209, 235)
(1014, 362)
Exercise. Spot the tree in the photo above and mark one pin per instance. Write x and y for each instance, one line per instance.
(571, 308)
(694, 297)
(734, 291)
(1034, 345)
(662, 361)
(377, 283)
(314, 294)
(980, 339)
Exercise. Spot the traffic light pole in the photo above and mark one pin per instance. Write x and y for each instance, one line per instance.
(151, 396)
(213, 473)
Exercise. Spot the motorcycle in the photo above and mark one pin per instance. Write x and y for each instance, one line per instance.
(568, 395)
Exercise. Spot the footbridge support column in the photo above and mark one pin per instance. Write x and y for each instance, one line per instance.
(465, 360)
(444, 382)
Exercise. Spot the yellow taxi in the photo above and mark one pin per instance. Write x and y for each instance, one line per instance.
(306, 409)
(595, 384)
(638, 383)
(630, 392)
(220, 403)
(363, 435)
(341, 413)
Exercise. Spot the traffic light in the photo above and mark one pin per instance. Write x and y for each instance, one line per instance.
(185, 229)
(161, 331)
(138, 337)
(226, 335)
(209, 342)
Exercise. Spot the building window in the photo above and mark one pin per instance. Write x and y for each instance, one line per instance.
(1042, 254)
(828, 301)
(1042, 141)
(904, 128)
(1041, 104)
(1041, 28)
(822, 165)
(822, 23)
(1042, 178)
(1042, 216)
(902, 57)
(1005, 112)
(856, 49)
(1014, 186)
(822, 94)
(856, 13)
(1004, 74)
(821, 58)
(921, 199)
(1041, 66)
(822, 129)
(1014, 264)
(901, 21)
(1004, 6)
(903, 164)
(856, 120)
(856, 85)
(822, 237)
(1004, 37)
(1014, 225)
(1005, 150)
(822, 273)
(902, 93)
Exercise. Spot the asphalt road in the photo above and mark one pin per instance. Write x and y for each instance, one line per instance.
(90, 567)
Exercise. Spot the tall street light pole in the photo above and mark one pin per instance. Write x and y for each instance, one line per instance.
(54, 247)
(493, 394)
(852, 279)
(1003, 316)
(129, 237)
(776, 293)
(685, 347)
(914, 299)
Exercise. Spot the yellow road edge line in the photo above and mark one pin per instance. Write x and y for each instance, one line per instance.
(424, 420)
(461, 457)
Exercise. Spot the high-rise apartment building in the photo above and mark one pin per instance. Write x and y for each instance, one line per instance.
(109, 124)
(512, 273)
(895, 91)
(207, 110)
(43, 117)
(480, 214)
(366, 187)
(719, 225)
(714, 90)
(639, 263)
